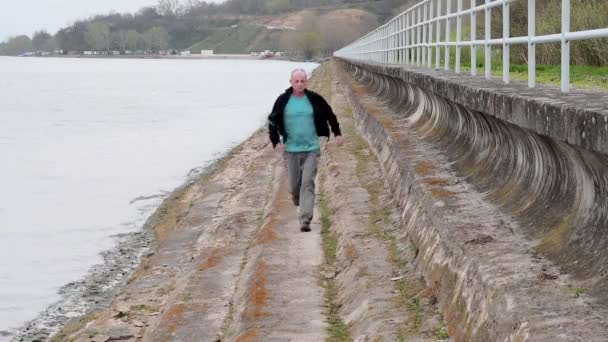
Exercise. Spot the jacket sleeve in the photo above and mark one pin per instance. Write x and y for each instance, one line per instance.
(273, 130)
(330, 116)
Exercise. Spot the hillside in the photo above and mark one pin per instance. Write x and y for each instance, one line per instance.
(303, 28)
(325, 29)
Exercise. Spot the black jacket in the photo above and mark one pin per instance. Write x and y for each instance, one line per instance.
(322, 112)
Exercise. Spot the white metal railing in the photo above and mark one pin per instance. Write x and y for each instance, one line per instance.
(408, 38)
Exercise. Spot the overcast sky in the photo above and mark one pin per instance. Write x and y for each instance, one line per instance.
(26, 16)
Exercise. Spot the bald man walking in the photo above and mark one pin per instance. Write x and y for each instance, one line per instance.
(298, 118)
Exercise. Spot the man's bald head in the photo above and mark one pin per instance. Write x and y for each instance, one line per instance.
(298, 81)
(297, 72)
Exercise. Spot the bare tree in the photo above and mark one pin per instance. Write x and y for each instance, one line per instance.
(133, 39)
(309, 44)
(120, 38)
(98, 35)
(40, 39)
(169, 7)
(156, 38)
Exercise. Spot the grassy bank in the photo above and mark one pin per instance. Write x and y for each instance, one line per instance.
(583, 77)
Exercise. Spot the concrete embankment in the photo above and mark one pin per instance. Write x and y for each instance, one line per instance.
(509, 224)
(232, 265)
(433, 222)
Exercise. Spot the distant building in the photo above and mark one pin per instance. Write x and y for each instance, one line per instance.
(185, 53)
(207, 52)
(280, 27)
(88, 53)
(266, 54)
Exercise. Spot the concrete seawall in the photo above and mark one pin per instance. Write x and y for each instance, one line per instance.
(533, 157)
(433, 222)
(579, 118)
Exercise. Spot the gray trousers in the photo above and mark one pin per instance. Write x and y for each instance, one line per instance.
(301, 173)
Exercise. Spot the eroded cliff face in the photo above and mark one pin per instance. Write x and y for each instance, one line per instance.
(510, 224)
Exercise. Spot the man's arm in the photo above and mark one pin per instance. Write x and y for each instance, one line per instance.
(273, 130)
(330, 116)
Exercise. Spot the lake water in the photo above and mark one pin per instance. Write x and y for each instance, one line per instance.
(90, 147)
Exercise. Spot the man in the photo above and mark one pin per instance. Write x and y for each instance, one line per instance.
(300, 117)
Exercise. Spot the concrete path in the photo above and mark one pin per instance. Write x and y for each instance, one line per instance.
(283, 298)
(232, 265)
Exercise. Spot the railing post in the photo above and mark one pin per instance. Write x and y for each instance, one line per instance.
(395, 39)
(378, 46)
(414, 36)
(488, 34)
(400, 39)
(392, 40)
(505, 45)
(447, 35)
(373, 45)
(423, 27)
(385, 42)
(389, 43)
(565, 46)
(407, 36)
(458, 36)
(429, 52)
(531, 45)
(419, 36)
(438, 40)
(473, 38)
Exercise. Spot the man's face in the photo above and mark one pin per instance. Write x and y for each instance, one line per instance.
(298, 81)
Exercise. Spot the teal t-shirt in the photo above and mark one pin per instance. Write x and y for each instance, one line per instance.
(300, 125)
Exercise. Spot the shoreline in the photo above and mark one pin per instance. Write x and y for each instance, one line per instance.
(179, 57)
(82, 298)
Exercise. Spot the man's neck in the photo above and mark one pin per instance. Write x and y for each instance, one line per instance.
(298, 94)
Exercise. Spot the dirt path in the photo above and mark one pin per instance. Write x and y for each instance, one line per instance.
(232, 264)
(280, 297)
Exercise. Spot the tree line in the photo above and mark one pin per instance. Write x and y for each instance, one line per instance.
(175, 24)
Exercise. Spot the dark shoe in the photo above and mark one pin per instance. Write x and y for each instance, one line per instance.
(296, 200)
(305, 227)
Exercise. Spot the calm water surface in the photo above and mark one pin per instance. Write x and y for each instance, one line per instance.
(90, 147)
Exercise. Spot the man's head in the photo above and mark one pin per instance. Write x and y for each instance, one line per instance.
(298, 80)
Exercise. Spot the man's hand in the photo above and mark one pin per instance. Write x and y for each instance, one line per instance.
(279, 148)
(339, 140)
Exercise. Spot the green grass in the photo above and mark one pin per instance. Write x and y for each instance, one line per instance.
(336, 329)
(330, 243)
(584, 77)
(442, 333)
(228, 40)
(586, 74)
(578, 291)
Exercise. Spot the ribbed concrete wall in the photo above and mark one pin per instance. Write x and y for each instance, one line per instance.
(579, 118)
(558, 192)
